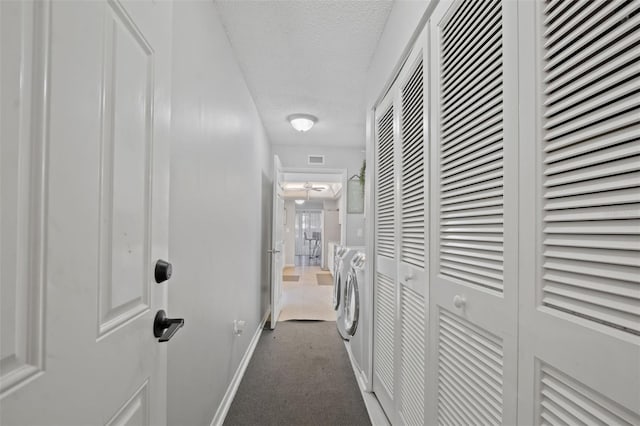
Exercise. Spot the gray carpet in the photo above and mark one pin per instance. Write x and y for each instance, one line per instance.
(300, 374)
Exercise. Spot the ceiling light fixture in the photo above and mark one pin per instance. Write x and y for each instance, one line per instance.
(299, 201)
(302, 122)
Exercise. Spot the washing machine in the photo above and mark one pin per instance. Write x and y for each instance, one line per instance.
(344, 268)
(337, 255)
(354, 310)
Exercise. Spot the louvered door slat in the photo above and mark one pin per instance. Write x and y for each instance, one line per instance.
(461, 40)
(471, 151)
(484, 140)
(412, 220)
(607, 74)
(385, 191)
(463, 92)
(577, 22)
(383, 348)
(612, 81)
(555, 9)
(564, 398)
(591, 169)
(560, 58)
(556, 78)
(458, 27)
(470, 371)
(412, 352)
(476, 98)
(457, 79)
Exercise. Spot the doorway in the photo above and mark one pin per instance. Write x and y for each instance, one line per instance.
(308, 238)
(312, 222)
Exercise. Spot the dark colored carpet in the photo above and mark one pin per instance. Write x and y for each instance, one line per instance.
(324, 279)
(300, 374)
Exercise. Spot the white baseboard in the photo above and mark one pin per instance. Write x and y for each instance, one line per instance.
(376, 413)
(225, 404)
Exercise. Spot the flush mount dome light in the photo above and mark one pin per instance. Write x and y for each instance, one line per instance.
(299, 201)
(302, 122)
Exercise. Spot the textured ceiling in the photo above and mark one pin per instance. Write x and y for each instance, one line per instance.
(307, 56)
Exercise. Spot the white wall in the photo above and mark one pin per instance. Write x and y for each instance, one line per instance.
(290, 233)
(335, 158)
(331, 226)
(219, 215)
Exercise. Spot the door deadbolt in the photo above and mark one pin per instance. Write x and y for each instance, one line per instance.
(163, 271)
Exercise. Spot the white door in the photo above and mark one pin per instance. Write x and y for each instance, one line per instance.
(385, 247)
(580, 245)
(474, 201)
(401, 288)
(84, 180)
(412, 217)
(277, 242)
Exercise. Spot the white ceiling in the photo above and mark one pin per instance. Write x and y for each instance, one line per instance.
(307, 56)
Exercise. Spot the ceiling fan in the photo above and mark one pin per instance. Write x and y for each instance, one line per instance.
(311, 187)
(308, 187)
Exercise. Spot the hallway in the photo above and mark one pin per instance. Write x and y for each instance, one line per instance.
(468, 169)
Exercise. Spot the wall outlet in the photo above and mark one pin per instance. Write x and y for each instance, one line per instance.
(238, 327)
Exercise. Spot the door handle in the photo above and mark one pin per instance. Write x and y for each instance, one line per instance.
(273, 251)
(164, 327)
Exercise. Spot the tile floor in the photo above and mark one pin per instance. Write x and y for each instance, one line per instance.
(305, 299)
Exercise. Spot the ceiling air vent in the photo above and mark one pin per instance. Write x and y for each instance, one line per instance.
(315, 160)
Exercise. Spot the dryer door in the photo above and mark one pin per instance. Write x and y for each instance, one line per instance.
(336, 290)
(352, 304)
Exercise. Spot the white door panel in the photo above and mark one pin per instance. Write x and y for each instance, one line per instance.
(277, 242)
(580, 297)
(106, 207)
(473, 286)
(384, 291)
(413, 239)
(24, 27)
(400, 314)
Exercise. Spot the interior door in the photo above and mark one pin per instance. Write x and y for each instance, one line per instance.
(84, 180)
(385, 250)
(413, 241)
(473, 268)
(277, 241)
(580, 249)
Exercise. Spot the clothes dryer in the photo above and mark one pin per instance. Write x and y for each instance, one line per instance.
(340, 286)
(355, 294)
(337, 255)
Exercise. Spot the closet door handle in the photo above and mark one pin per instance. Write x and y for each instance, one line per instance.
(273, 251)
(459, 301)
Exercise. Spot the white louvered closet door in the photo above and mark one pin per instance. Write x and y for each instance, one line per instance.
(580, 248)
(473, 272)
(412, 225)
(384, 312)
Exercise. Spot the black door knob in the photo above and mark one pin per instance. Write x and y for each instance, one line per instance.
(162, 323)
(163, 271)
